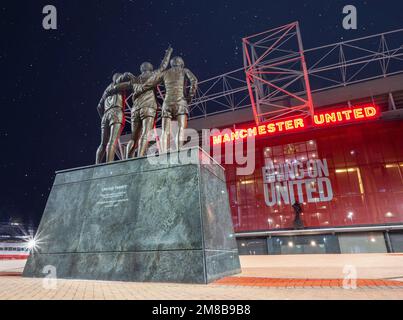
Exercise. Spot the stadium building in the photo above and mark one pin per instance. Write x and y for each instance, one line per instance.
(353, 198)
(328, 133)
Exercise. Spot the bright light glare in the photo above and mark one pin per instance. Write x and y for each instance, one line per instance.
(31, 244)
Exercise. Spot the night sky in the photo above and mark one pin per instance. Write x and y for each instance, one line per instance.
(52, 80)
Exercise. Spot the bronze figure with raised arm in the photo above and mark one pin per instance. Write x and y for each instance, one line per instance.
(176, 100)
(145, 108)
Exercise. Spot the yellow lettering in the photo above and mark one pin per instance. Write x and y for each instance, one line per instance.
(217, 139)
(252, 132)
(319, 119)
(226, 138)
(243, 133)
(358, 114)
(280, 125)
(330, 117)
(271, 128)
(347, 114)
(299, 123)
(289, 125)
(234, 135)
(370, 112)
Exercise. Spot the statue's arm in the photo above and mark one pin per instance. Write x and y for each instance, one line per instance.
(125, 84)
(120, 87)
(127, 76)
(101, 104)
(165, 61)
(193, 84)
(101, 108)
(151, 83)
(156, 76)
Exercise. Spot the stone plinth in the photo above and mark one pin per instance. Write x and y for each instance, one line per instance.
(163, 219)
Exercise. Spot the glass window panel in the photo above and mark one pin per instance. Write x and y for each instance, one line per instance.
(362, 243)
(252, 246)
(396, 238)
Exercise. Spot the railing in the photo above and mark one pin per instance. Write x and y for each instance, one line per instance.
(307, 231)
(331, 66)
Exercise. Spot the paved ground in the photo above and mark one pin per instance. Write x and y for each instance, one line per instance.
(21, 288)
(268, 277)
(307, 283)
(330, 266)
(11, 266)
(367, 266)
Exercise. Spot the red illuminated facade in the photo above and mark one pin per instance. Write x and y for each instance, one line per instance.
(344, 165)
(328, 136)
(364, 169)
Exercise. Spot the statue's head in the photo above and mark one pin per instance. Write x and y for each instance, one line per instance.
(146, 67)
(177, 62)
(127, 76)
(115, 77)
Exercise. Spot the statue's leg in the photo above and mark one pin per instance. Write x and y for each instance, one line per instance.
(136, 130)
(182, 125)
(116, 130)
(165, 135)
(105, 132)
(147, 126)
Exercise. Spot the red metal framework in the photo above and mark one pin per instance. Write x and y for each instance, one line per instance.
(277, 75)
(330, 66)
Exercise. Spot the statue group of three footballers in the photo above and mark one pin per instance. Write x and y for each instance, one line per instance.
(145, 104)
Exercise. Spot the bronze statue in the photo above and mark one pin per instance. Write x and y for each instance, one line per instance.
(111, 111)
(144, 105)
(145, 108)
(176, 101)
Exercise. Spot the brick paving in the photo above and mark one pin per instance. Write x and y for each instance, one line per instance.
(265, 278)
(286, 283)
(18, 288)
(329, 266)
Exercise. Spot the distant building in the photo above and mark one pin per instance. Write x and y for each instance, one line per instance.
(15, 241)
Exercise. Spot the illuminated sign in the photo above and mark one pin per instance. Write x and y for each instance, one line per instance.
(288, 182)
(345, 115)
(325, 118)
(275, 127)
